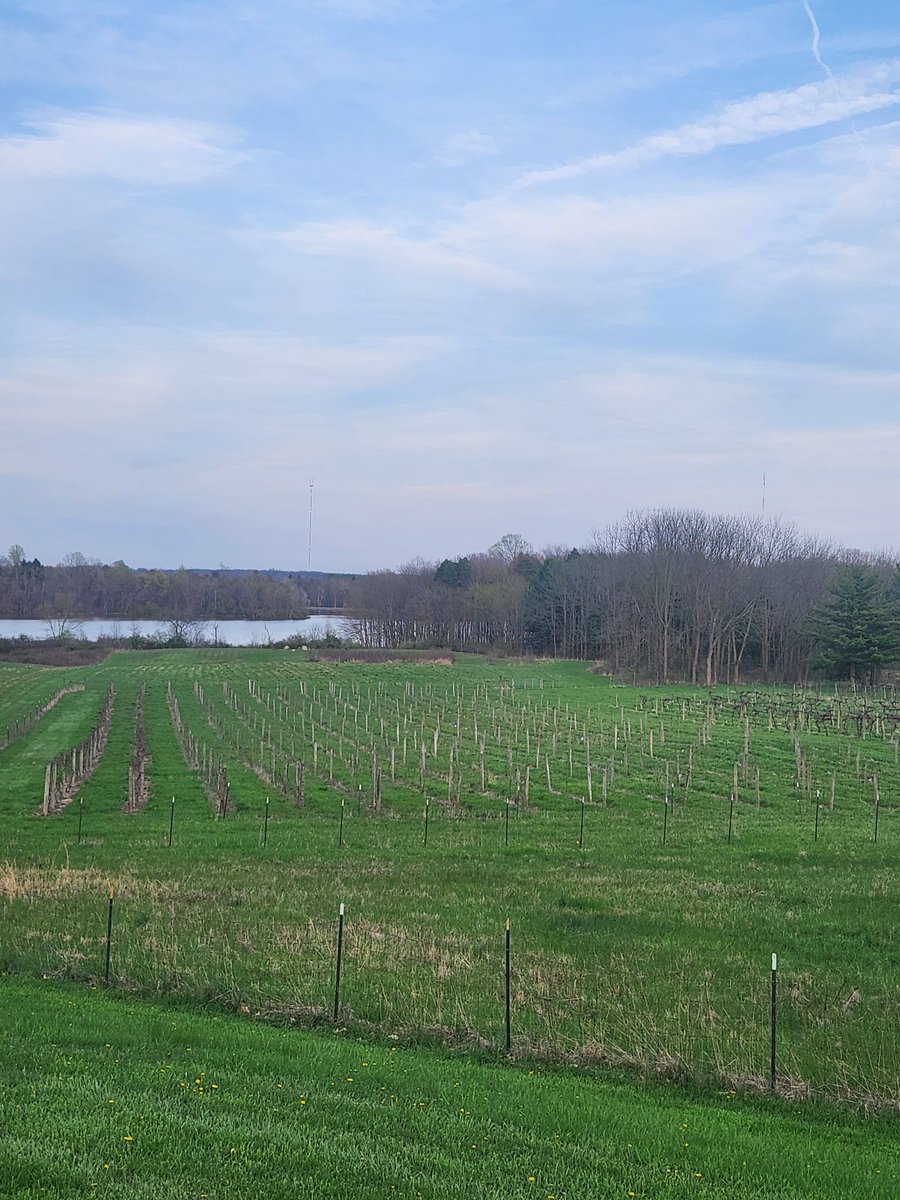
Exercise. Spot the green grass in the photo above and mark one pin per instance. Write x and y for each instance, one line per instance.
(110, 1096)
(626, 952)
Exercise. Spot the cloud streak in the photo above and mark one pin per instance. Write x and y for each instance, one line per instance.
(742, 122)
(128, 148)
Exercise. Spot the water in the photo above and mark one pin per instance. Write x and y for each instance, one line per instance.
(231, 633)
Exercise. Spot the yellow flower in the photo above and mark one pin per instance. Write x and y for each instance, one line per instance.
(127, 1138)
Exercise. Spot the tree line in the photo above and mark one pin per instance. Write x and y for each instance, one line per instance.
(661, 596)
(664, 595)
(79, 587)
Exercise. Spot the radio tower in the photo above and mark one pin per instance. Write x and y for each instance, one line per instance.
(309, 541)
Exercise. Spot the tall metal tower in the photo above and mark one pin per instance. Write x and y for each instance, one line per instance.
(309, 541)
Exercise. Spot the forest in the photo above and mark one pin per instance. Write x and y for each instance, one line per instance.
(664, 595)
(79, 588)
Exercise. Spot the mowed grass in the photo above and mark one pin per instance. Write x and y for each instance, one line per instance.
(110, 1096)
(625, 951)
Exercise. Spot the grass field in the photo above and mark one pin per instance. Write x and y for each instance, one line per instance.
(641, 930)
(109, 1096)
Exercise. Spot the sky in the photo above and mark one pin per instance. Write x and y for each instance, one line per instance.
(471, 266)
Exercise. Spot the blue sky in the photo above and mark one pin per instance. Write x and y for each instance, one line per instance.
(510, 265)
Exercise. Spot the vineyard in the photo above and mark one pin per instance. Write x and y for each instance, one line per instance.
(651, 850)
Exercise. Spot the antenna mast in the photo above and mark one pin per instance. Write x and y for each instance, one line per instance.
(309, 541)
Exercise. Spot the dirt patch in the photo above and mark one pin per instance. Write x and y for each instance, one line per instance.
(41, 655)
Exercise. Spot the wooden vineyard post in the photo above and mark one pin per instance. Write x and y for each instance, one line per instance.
(109, 923)
(877, 807)
(171, 821)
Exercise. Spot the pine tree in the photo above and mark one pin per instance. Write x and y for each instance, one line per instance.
(856, 626)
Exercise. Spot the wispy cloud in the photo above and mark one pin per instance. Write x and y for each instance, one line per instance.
(461, 148)
(133, 149)
(767, 114)
(392, 247)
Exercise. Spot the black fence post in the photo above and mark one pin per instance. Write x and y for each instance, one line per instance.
(337, 963)
(508, 993)
(773, 1023)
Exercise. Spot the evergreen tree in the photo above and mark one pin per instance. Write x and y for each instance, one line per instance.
(454, 572)
(856, 626)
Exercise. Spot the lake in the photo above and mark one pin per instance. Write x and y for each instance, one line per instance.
(230, 633)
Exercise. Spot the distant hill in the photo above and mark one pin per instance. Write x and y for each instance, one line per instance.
(271, 572)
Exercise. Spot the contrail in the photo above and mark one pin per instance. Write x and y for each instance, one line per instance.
(827, 71)
(817, 38)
